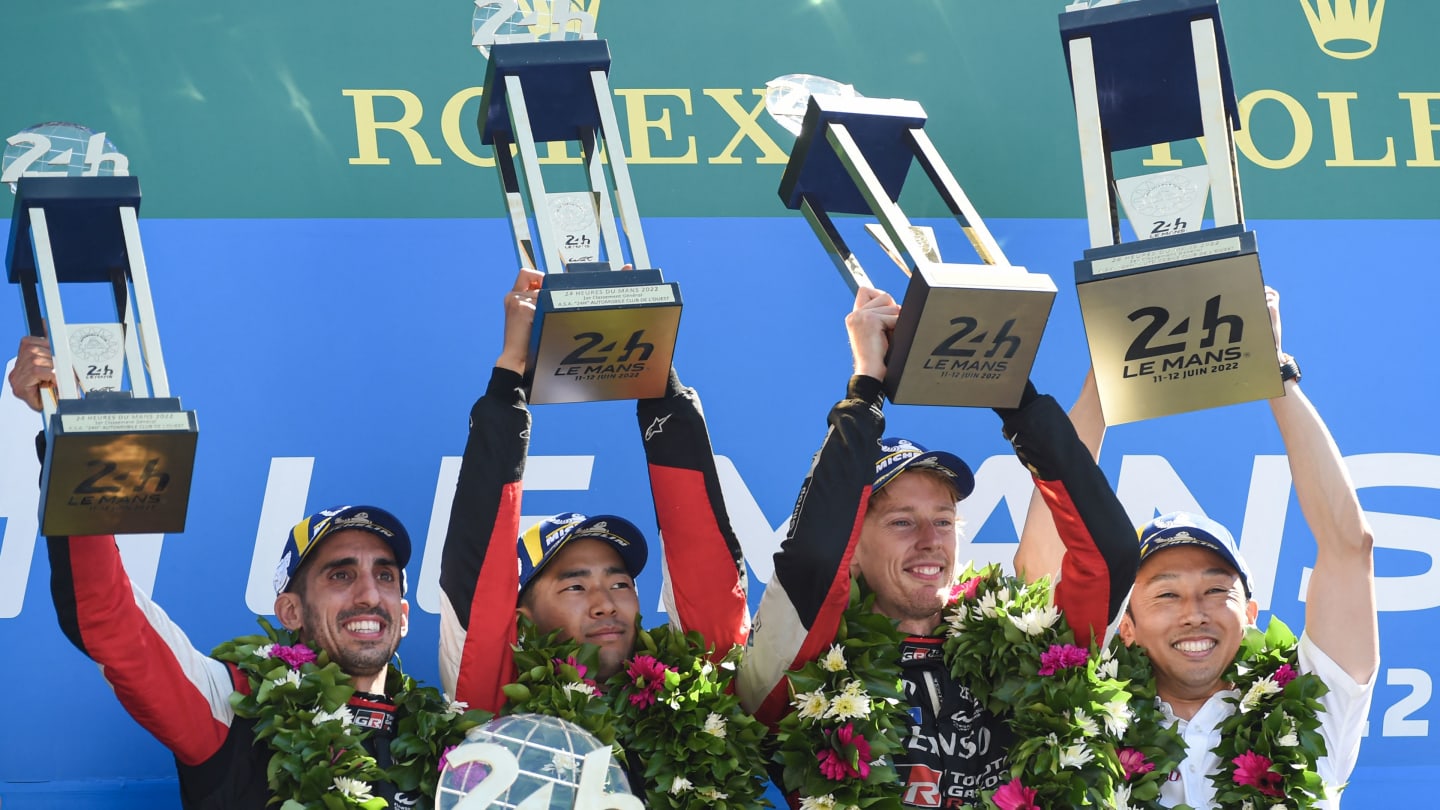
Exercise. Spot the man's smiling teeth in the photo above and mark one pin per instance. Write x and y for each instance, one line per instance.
(926, 570)
(1202, 645)
(363, 626)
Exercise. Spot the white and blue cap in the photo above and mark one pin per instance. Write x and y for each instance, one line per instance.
(900, 455)
(1190, 529)
(306, 535)
(541, 542)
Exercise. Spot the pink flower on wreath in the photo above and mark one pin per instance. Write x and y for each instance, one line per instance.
(1254, 770)
(580, 669)
(1284, 675)
(1134, 763)
(296, 655)
(965, 589)
(847, 745)
(832, 767)
(1014, 796)
(648, 675)
(1062, 656)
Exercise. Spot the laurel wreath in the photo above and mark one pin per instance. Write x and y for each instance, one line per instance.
(1274, 733)
(1090, 729)
(837, 745)
(671, 709)
(299, 699)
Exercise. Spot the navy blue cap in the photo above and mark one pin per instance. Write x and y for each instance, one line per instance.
(307, 534)
(1189, 529)
(899, 455)
(541, 542)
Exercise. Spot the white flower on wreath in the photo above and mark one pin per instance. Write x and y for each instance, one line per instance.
(714, 725)
(1108, 668)
(1075, 756)
(1259, 691)
(290, 678)
(826, 802)
(1122, 798)
(343, 714)
(679, 785)
(353, 788)
(1085, 723)
(989, 606)
(579, 688)
(264, 652)
(1290, 738)
(852, 702)
(455, 708)
(834, 660)
(1117, 715)
(956, 620)
(1035, 621)
(712, 794)
(810, 705)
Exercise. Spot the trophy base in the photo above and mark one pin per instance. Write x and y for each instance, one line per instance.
(117, 465)
(602, 336)
(1177, 324)
(967, 335)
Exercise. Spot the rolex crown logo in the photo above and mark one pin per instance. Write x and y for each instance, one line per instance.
(1345, 29)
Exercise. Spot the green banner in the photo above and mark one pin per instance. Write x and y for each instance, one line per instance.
(367, 108)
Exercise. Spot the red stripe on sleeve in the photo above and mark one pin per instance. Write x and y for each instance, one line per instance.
(141, 652)
(487, 662)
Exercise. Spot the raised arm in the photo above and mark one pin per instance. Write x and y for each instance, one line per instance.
(800, 611)
(1041, 549)
(479, 567)
(1100, 555)
(1340, 602)
(705, 579)
(173, 690)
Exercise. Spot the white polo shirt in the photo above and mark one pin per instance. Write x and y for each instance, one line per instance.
(1347, 704)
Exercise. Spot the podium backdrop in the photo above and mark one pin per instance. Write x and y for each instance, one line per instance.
(324, 239)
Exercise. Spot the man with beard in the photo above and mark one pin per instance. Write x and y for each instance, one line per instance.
(339, 585)
(886, 510)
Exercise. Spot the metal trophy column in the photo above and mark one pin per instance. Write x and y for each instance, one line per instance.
(1176, 321)
(598, 334)
(967, 333)
(117, 461)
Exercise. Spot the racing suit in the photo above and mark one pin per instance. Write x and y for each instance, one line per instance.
(705, 578)
(177, 693)
(954, 748)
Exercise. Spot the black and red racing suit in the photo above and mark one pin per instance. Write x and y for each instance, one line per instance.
(954, 748)
(176, 692)
(705, 580)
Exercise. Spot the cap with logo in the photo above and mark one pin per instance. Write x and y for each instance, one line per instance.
(305, 537)
(541, 542)
(1190, 529)
(900, 455)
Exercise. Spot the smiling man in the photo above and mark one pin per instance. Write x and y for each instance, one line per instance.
(886, 509)
(1193, 598)
(339, 585)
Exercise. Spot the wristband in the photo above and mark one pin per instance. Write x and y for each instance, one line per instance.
(1289, 370)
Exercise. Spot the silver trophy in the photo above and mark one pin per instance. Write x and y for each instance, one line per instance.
(119, 459)
(1176, 320)
(967, 333)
